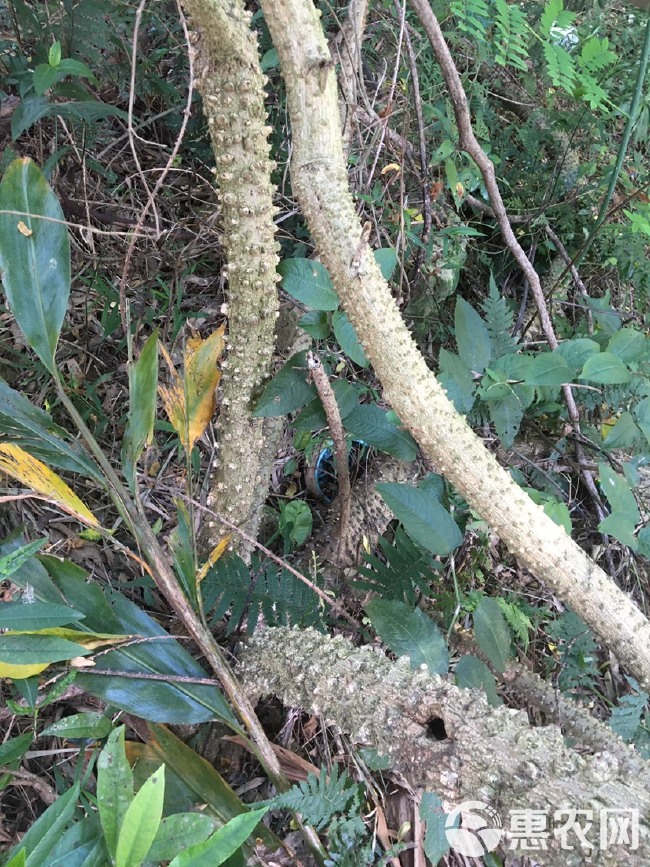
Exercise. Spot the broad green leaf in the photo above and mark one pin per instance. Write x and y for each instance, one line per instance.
(297, 521)
(143, 391)
(492, 633)
(17, 648)
(623, 433)
(347, 338)
(44, 833)
(18, 464)
(313, 415)
(457, 380)
(386, 258)
(177, 833)
(472, 673)
(618, 492)
(34, 257)
(222, 844)
(409, 632)
(642, 415)
(114, 788)
(288, 390)
(370, 424)
(33, 430)
(621, 526)
(80, 726)
(189, 400)
(425, 519)
(308, 281)
(316, 324)
(548, 368)
(14, 749)
(38, 615)
(32, 109)
(643, 539)
(559, 512)
(606, 369)
(433, 815)
(506, 415)
(472, 337)
(576, 352)
(628, 344)
(141, 822)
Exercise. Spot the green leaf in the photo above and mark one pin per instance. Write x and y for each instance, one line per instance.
(34, 257)
(409, 632)
(492, 633)
(618, 492)
(472, 337)
(433, 815)
(141, 822)
(34, 431)
(114, 788)
(628, 344)
(44, 833)
(548, 368)
(370, 424)
(457, 380)
(347, 338)
(143, 394)
(14, 560)
(44, 77)
(621, 526)
(560, 514)
(472, 673)
(14, 749)
(177, 833)
(288, 390)
(576, 352)
(313, 415)
(506, 415)
(37, 615)
(642, 415)
(316, 324)
(425, 520)
(80, 726)
(308, 281)
(33, 649)
(296, 521)
(54, 54)
(222, 844)
(606, 369)
(386, 258)
(623, 434)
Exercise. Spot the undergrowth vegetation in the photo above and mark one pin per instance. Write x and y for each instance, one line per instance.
(113, 344)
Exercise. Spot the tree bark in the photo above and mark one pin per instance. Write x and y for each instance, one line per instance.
(232, 86)
(489, 754)
(320, 183)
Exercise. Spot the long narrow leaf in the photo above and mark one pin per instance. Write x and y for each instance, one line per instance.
(34, 256)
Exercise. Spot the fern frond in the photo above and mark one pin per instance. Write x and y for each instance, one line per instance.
(511, 42)
(499, 320)
(472, 17)
(319, 798)
(560, 66)
(244, 593)
(555, 16)
(407, 569)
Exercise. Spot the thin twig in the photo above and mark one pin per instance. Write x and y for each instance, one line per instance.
(328, 399)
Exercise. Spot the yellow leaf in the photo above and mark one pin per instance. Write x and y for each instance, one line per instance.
(190, 401)
(216, 552)
(82, 662)
(24, 229)
(20, 672)
(91, 640)
(34, 474)
(392, 167)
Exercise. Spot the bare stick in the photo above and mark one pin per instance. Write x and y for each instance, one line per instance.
(328, 399)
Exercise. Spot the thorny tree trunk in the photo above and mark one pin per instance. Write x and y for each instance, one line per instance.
(232, 86)
(320, 183)
(488, 754)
